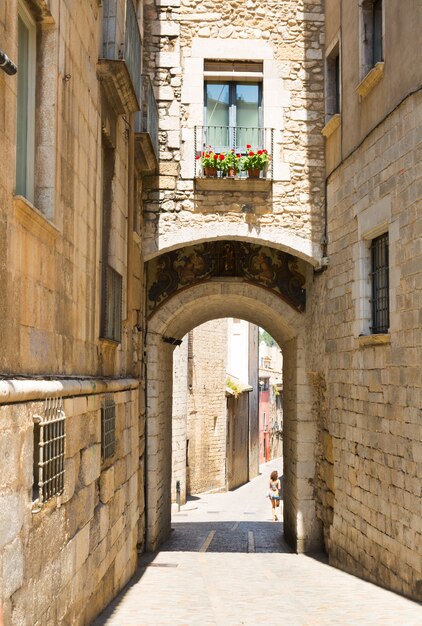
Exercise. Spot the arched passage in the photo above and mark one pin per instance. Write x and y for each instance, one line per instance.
(195, 305)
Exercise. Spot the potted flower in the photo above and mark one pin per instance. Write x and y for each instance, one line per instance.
(254, 161)
(221, 164)
(233, 162)
(209, 162)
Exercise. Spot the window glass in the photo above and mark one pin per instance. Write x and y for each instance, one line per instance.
(247, 114)
(25, 123)
(22, 112)
(247, 111)
(218, 115)
(232, 114)
(377, 31)
(218, 104)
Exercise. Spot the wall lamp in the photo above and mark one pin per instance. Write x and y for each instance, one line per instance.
(6, 64)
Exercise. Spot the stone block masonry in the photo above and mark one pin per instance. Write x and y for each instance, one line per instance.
(62, 563)
(369, 397)
(286, 37)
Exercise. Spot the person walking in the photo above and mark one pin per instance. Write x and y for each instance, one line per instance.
(274, 493)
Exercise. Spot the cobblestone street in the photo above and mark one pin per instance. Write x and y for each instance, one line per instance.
(226, 564)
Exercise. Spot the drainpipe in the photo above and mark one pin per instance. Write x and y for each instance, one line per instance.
(130, 204)
(324, 239)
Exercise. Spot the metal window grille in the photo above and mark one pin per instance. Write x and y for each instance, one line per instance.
(49, 446)
(111, 319)
(108, 428)
(226, 138)
(380, 285)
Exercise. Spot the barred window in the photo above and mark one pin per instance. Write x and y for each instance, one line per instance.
(49, 448)
(380, 285)
(108, 428)
(111, 309)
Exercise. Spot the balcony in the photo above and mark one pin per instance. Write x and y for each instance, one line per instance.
(241, 140)
(146, 129)
(119, 67)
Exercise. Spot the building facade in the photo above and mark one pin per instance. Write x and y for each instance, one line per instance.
(214, 413)
(115, 244)
(369, 397)
(71, 438)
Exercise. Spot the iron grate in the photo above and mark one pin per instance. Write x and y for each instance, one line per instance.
(49, 449)
(108, 428)
(380, 284)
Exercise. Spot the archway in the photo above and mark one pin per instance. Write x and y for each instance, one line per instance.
(194, 305)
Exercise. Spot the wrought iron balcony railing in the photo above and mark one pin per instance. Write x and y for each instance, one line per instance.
(240, 139)
(119, 66)
(146, 127)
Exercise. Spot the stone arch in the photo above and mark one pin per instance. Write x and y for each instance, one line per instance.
(275, 237)
(179, 314)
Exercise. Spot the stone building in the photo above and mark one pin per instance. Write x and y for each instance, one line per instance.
(368, 400)
(214, 412)
(323, 252)
(71, 439)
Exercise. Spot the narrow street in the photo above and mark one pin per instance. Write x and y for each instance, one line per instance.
(226, 564)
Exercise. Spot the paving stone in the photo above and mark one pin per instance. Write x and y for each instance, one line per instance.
(227, 586)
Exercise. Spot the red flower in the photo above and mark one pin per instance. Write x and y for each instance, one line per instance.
(265, 151)
(248, 145)
(198, 157)
(251, 153)
(215, 157)
(207, 156)
(238, 155)
(222, 157)
(259, 151)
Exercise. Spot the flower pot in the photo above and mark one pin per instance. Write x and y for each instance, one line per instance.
(254, 173)
(210, 172)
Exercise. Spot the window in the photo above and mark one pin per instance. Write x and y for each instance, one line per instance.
(332, 101)
(380, 285)
(49, 448)
(111, 280)
(233, 105)
(25, 123)
(112, 291)
(108, 428)
(372, 34)
(137, 203)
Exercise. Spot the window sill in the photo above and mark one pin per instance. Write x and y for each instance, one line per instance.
(332, 125)
(33, 220)
(373, 340)
(109, 343)
(233, 184)
(371, 79)
(136, 238)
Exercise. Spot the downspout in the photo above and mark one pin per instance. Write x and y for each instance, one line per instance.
(130, 205)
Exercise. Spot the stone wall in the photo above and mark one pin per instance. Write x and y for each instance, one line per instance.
(64, 562)
(286, 37)
(181, 394)
(206, 419)
(371, 387)
(50, 252)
